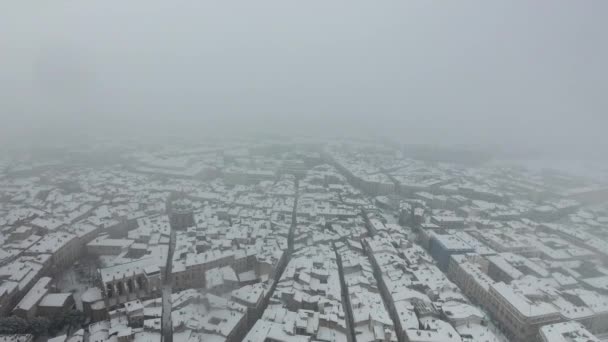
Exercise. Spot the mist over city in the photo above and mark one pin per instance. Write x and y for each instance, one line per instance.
(282, 171)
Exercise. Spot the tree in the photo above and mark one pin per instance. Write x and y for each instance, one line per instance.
(71, 318)
(13, 325)
(74, 318)
(39, 326)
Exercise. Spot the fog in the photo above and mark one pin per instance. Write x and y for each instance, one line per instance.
(515, 75)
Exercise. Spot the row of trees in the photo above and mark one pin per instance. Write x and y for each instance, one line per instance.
(42, 326)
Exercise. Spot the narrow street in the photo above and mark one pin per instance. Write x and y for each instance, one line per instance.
(345, 300)
(288, 252)
(388, 301)
(290, 241)
(294, 222)
(166, 321)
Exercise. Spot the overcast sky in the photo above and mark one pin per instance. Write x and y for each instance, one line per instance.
(505, 73)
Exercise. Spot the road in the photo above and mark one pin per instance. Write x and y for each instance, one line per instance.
(345, 299)
(288, 252)
(166, 322)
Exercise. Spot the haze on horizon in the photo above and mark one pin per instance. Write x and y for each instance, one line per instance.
(510, 74)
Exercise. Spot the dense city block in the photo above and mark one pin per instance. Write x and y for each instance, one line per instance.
(289, 240)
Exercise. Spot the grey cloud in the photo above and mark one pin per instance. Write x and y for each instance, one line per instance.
(475, 72)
